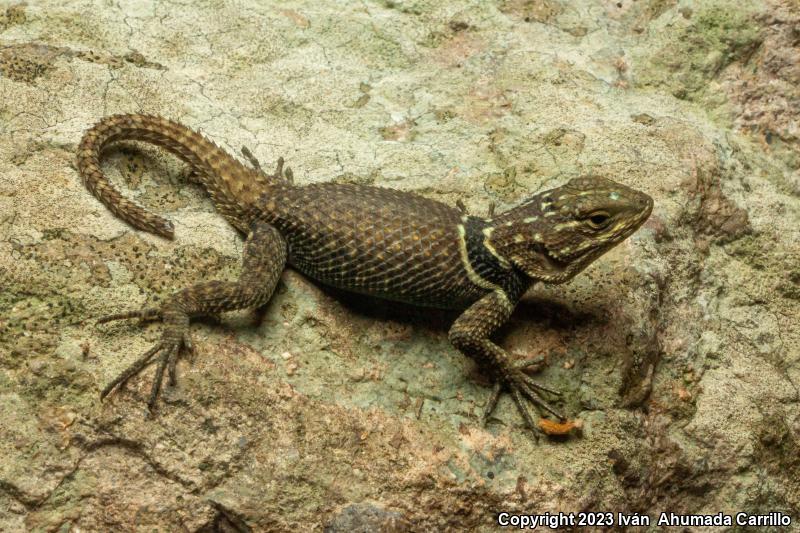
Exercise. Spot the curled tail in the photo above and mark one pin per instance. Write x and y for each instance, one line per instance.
(232, 185)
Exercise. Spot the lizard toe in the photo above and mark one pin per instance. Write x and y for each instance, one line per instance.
(148, 314)
(523, 390)
(522, 407)
(529, 388)
(491, 403)
(166, 352)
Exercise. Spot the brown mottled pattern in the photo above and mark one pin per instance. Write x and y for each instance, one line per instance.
(381, 242)
(375, 241)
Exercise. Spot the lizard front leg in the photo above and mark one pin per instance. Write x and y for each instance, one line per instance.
(264, 260)
(470, 334)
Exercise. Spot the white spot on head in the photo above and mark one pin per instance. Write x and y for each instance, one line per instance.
(566, 225)
(614, 195)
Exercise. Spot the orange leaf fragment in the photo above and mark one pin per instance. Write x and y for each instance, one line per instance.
(551, 427)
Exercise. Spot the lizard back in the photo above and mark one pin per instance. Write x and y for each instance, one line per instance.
(382, 242)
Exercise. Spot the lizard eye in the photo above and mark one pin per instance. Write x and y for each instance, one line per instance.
(599, 219)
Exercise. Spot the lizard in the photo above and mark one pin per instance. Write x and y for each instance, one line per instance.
(381, 242)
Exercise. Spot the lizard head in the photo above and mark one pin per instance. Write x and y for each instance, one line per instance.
(557, 233)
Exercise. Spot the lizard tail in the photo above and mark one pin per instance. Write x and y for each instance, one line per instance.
(222, 175)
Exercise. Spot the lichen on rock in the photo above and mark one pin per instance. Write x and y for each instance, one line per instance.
(678, 351)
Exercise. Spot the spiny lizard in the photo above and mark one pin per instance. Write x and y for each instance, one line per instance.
(376, 241)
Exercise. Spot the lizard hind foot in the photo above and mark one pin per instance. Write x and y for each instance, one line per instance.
(169, 351)
(166, 352)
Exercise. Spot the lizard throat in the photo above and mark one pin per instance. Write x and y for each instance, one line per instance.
(486, 265)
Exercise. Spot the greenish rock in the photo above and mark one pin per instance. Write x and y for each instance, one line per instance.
(678, 353)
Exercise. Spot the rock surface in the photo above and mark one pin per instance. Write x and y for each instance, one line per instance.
(679, 350)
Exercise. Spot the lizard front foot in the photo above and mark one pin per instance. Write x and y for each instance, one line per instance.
(175, 337)
(522, 387)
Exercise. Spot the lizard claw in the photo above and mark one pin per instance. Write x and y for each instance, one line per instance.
(523, 389)
(173, 357)
(528, 388)
(491, 403)
(166, 351)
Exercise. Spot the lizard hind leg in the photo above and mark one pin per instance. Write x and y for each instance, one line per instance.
(264, 260)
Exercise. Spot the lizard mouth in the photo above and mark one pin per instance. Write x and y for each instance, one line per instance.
(564, 261)
(554, 262)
